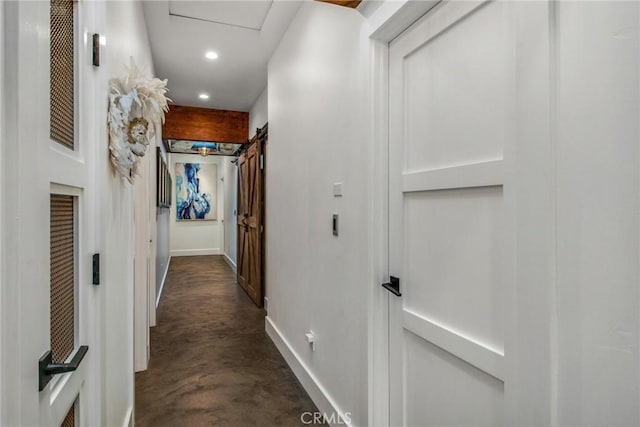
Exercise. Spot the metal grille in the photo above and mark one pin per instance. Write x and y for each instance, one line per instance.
(70, 419)
(62, 276)
(62, 36)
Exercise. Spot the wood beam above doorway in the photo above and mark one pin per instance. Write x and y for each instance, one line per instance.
(346, 3)
(206, 124)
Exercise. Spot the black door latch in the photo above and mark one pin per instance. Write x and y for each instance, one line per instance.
(47, 368)
(393, 286)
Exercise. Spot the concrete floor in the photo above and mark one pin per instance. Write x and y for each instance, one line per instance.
(211, 363)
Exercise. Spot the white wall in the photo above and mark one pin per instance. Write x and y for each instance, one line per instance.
(258, 115)
(257, 119)
(598, 207)
(230, 174)
(126, 36)
(196, 237)
(318, 87)
(590, 148)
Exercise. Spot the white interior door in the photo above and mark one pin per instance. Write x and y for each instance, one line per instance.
(452, 78)
(51, 304)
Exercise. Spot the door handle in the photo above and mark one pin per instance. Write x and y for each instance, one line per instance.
(393, 286)
(47, 369)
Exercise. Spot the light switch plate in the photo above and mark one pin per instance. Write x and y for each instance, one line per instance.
(337, 189)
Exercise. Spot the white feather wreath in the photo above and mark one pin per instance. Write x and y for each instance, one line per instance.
(137, 100)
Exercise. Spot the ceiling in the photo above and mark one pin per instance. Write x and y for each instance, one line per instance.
(244, 34)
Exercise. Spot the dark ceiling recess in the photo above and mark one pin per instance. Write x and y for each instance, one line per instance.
(346, 3)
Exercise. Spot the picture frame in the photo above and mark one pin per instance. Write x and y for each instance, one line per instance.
(163, 182)
(196, 191)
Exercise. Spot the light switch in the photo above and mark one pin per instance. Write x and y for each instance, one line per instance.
(335, 224)
(337, 189)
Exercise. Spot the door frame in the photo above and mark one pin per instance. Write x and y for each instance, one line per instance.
(142, 249)
(389, 21)
(1, 204)
(536, 242)
(153, 227)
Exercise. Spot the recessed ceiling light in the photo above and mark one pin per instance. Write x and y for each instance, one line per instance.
(211, 55)
(203, 96)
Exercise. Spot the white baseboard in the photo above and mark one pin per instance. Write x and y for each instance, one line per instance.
(316, 391)
(231, 263)
(195, 252)
(128, 418)
(164, 280)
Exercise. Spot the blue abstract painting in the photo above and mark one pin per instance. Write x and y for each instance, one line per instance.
(196, 191)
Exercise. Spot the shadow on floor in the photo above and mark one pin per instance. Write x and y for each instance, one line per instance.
(212, 364)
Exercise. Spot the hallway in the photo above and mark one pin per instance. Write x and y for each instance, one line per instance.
(211, 361)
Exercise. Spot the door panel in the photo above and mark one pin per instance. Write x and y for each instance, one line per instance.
(70, 418)
(451, 100)
(250, 245)
(481, 404)
(243, 197)
(444, 85)
(453, 260)
(254, 281)
(63, 276)
(62, 72)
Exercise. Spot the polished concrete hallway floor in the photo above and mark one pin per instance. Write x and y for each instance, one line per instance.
(211, 363)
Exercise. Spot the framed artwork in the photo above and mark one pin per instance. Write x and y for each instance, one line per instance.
(168, 189)
(163, 184)
(196, 191)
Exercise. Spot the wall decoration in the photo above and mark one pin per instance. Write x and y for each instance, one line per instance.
(196, 196)
(168, 189)
(137, 103)
(163, 182)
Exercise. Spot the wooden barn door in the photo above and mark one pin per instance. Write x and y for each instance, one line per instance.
(250, 218)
